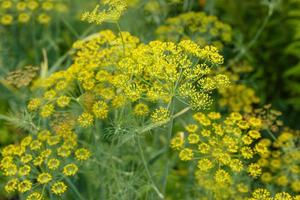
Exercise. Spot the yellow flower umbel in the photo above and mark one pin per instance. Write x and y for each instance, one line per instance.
(22, 12)
(218, 145)
(238, 97)
(106, 11)
(281, 166)
(264, 194)
(202, 28)
(115, 72)
(161, 115)
(35, 162)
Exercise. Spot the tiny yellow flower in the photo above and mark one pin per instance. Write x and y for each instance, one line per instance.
(191, 128)
(53, 140)
(186, 154)
(44, 178)
(53, 163)
(44, 18)
(47, 110)
(85, 120)
(6, 4)
(160, 115)
(63, 151)
(24, 186)
(100, 110)
(11, 185)
(70, 170)
(214, 115)
(204, 164)
(141, 109)
(38, 161)
(26, 158)
(63, 101)
(7, 19)
(46, 153)
(21, 6)
(254, 134)
(11, 170)
(178, 141)
(254, 170)
(23, 17)
(58, 188)
(222, 176)
(35, 196)
(24, 170)
(35, 145)
(47, 5)
(82, 154)
(255, 122)
(32, 5)
(193, 138)
(26, 141)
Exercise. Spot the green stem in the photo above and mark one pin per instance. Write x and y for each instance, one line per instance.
(57, 64)
(256, 36)
(155, 125)
(165, 180)
(74, 189)
(272, 135)
(161, 196)
(121, 35)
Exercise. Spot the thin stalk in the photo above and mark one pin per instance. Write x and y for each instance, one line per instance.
(256, 36)
(160, 195)
(121, 35)
(155, 125)
(74, 189)
(69, 26)
(57, 64)
(165, 180)
(272, 135)
(185, 5)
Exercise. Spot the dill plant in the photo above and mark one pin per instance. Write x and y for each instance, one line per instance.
(156, 119)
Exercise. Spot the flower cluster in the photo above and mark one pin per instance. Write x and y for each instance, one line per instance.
(21, 77)
(269, 116)
(118, 85)
(156, 7)
(110, 71)
(106, 11)
(199, 27)
(281, 166)
(264, 194)
(238, 97)
(40, 162)
(24, 11)
(222, 148)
